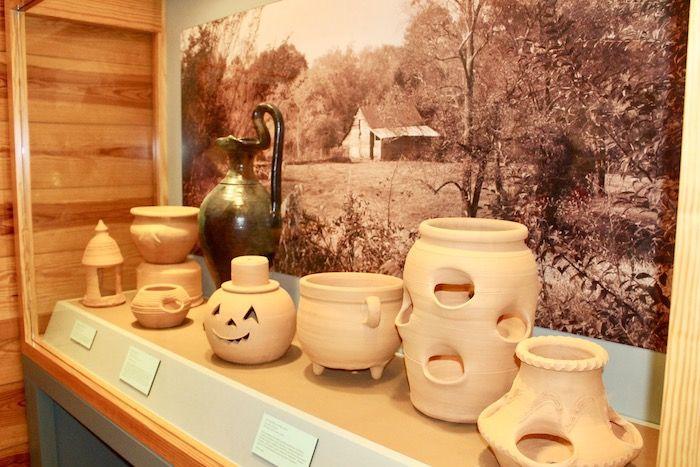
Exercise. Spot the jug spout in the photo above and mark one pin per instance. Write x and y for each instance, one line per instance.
(232, 144)
(241, 154)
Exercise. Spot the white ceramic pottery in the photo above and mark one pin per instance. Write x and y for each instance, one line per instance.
(187, 274)
(251, 319)
(471, 292)
(102, 252)
(160, 305)
(449, 379)
(557, 412)
(164, 234)
(346, 320)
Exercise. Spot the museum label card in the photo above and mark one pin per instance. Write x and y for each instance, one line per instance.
(139, 370)
(83, 334)
(282, 444)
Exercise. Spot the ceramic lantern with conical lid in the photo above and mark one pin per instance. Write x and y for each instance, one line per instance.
(251, 319)
(102, 252)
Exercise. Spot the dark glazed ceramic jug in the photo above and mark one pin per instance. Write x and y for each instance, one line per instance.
(238, 217)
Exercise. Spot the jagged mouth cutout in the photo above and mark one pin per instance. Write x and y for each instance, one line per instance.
(232, 341)
(250, 314)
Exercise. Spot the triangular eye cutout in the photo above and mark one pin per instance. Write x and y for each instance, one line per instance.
(216, 310)
(231, 322)
(251, 314)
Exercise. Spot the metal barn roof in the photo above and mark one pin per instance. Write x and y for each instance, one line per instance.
(422, 130)
(395, 120)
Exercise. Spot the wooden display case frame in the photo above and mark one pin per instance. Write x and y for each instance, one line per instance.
(165, 440)
(679, 443)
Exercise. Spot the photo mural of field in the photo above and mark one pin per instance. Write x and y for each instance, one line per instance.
(560, 114)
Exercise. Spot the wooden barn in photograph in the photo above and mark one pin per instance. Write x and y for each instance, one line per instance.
(387, 133)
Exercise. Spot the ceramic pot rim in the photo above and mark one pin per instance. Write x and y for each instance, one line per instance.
(377, 284)
(472, 229)
(598, 359)
(164, 211)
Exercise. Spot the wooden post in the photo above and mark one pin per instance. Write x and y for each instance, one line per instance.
(21, 172)
(679, 441)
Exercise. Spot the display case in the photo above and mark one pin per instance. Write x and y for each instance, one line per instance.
(87, 126)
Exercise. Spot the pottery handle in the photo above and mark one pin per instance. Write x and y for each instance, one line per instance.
(180, 305)
(150, 236)
(277, 151)
(373, 311)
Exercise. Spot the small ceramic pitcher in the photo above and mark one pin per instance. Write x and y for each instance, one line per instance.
(161, 305)
(346, 320)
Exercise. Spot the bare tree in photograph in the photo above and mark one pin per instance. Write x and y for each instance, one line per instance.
(448, 38)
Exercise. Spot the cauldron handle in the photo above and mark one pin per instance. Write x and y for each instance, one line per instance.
(374, 313)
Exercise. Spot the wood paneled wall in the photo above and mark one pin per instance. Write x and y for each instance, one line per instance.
(93, 139)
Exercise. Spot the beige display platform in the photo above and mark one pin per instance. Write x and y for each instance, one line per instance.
(359, 421)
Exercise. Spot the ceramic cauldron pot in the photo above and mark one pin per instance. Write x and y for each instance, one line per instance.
(557, 412)
(164, 234)
(251, 318)
(346, 320)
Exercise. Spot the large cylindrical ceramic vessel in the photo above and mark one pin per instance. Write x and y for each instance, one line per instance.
(557, 412)
(471, 292)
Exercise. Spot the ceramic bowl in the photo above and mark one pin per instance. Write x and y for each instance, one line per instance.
(164, 234)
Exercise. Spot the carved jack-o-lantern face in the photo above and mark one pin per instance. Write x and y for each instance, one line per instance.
(234, 331)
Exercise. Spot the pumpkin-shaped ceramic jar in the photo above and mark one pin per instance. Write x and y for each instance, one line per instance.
(557, 412)
(160, 305)
(164, 234)
(250, 319)
(471, 292)
(346, 320)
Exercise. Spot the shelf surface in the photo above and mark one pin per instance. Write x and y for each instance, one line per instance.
(378, 411)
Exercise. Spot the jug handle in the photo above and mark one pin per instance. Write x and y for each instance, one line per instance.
(277, 151)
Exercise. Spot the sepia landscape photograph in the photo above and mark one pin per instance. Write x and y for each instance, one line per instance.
(563, 115)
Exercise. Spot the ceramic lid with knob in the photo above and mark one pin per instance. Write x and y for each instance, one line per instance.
(250, 274)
